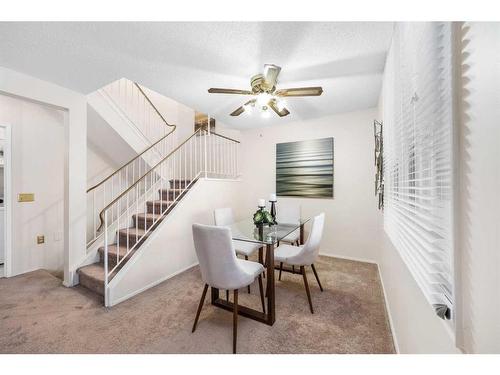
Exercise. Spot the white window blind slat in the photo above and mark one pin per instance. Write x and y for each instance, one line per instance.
(418, 171)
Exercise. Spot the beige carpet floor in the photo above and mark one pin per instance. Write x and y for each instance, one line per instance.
(39, 315)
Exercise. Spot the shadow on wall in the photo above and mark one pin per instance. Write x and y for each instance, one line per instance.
(477, 243)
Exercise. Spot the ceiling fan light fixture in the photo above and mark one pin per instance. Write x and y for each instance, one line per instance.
(266, 114)
(248, 108)
(280, 104)
(264, 98)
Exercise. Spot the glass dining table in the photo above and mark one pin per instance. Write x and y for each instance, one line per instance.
(268, 237)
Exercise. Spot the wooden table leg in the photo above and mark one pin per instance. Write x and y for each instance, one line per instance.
(271, 306)
(302, 234)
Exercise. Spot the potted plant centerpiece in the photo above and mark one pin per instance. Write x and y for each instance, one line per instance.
(262, 217)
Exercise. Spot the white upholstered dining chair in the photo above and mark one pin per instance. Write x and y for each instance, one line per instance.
(289, 213)
(305, 255)
(224, 217)
(221, 269)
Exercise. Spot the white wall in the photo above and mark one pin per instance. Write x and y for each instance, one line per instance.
(353, 222)
(170, 249)
(75, 152)
(416, 327)
(174, 113)
(479, 198)
(37, 167)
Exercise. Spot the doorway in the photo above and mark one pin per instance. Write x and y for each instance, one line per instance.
(5, 199)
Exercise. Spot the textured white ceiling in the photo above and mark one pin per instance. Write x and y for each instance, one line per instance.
(182, 60)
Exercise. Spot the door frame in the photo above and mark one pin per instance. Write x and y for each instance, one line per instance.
(7, 175)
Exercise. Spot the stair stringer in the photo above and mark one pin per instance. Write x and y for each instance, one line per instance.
(169, 250)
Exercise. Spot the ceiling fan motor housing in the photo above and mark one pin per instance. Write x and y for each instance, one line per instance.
(258, 84)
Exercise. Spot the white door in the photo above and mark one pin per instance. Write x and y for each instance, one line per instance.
(2, 195)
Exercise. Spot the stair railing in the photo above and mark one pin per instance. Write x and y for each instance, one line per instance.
(130, 98)
(145, 203)
(133, 102)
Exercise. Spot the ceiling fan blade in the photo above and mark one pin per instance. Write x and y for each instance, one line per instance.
(229, 91)
(271, 75)
(240, 110)
(284, 112)
(300, 91)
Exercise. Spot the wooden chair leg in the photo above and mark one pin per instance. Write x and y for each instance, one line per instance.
(227, 295)
(235, 320)
(261, 290)
(317, 278)
(200, 306)
(293, 269)
(246, 258)
(281, 269)
(303, 271)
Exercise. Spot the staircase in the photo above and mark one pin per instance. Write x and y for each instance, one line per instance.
(93, 276)
(126, 207)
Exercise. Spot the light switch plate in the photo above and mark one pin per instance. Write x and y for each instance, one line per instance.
(40, 239)
(25, 197)
(57, 236)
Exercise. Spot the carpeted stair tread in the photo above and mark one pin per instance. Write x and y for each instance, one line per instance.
(172, 194)
(158, 206)
(132, 232)
(176, 190)
(114, 249)
(147, 216)
(160, 202)
(179, 183)
(92, 277)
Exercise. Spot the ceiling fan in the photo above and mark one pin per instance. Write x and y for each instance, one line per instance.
(265, 93)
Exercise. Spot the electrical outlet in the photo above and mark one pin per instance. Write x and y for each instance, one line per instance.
(40, 239)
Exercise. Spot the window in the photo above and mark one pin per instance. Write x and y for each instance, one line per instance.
(417, 98)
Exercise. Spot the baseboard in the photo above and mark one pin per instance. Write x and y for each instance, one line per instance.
(154, 283)
(387, 307)
(348, 258)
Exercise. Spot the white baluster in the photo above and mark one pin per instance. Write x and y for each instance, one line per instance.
(205, 154)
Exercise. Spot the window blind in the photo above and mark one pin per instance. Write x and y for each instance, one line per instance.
(417, 108)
